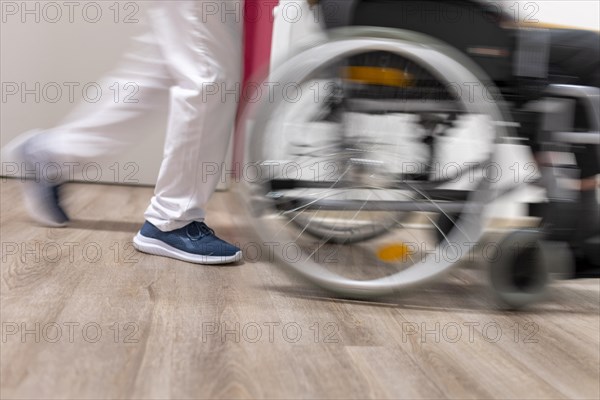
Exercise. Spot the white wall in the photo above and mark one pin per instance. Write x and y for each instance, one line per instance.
(72, 48)
(584, 14)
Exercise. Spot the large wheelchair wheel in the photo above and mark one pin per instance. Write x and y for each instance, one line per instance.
(367, 141)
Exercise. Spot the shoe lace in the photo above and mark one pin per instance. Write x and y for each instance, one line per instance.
(203, 230)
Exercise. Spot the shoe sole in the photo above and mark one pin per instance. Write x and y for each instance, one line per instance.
(159, 248)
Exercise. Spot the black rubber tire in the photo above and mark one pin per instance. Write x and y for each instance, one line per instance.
(519, 270)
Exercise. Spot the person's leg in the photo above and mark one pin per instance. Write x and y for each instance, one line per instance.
(203, 48)
(576, 55)
(98, 130)
(93, 130)
(202, 44)
(575, 59)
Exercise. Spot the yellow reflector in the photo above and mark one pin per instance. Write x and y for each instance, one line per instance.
(378, 76)
(394, 253)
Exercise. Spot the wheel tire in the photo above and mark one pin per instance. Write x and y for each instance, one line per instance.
(519, 273)
(273, 225)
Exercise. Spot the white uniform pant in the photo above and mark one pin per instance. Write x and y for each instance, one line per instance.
(189, 57)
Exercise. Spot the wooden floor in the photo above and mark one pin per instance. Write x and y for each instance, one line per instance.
(84, 316)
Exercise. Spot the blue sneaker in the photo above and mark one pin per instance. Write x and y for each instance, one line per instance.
(42, 194)
(195, 243)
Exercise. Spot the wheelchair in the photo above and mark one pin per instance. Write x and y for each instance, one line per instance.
(377, 161)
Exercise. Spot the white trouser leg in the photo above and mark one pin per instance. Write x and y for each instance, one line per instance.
(99, 130)
(202, 47)
(193, 50)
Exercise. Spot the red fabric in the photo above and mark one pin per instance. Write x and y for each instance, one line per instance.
(258, 33)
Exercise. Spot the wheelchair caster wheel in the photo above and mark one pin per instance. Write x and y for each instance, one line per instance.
(519, 273)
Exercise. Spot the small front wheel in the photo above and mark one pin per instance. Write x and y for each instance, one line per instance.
(519, 272)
